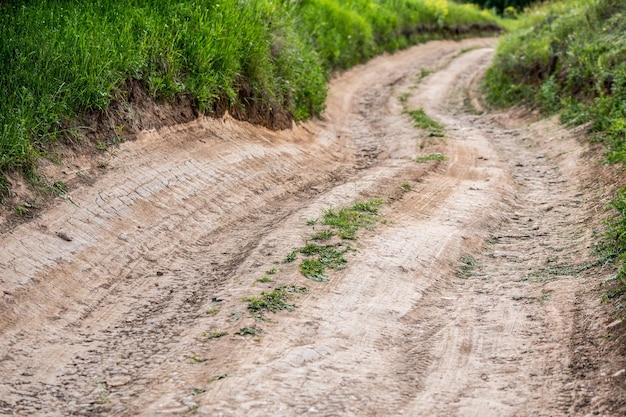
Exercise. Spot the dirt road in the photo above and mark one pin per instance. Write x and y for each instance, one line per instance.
(475, 295)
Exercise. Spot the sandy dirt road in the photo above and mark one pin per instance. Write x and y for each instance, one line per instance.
(475, 295)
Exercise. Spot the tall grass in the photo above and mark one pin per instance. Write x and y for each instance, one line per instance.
(569, 56)
(66, 57)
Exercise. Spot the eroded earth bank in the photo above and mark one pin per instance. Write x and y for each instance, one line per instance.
(476, 293)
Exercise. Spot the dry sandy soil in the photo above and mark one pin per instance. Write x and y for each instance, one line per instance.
(476, 294)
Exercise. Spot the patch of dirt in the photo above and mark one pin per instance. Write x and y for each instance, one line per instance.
(476, 294)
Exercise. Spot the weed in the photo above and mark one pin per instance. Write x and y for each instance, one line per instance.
(311, 222)
(212, 311)
(249, 331)
(323, 235)
(198, 391)
(103, 398)
(425, 72)
(328, 255)
(290, 257)
(271, 300)
(215, 335)
(313, 269)
(347, 221)
(59, 188)
(197, 359)
(403, 98)
(271, 271)
(265, 279)
(468, 263)
(422, 121)
(405, 186)
(430, 157)
(22, 211)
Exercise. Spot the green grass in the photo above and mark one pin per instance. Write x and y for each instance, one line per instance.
(215, 335)
(274, 300)
(68, 58)
(430, 157)
(342, 223)
(346, 221)
(569, 57)
(321, 257)
(422, 121)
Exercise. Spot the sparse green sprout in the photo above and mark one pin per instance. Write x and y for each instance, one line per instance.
(275, 300)
(290, 257)
(271, 271)
(311, 222)
(403, 98)
(323, 235)
(313, 269)
(425, 72)
(212, 311)
(197, 359)
(422, 121)
(248, 331)
(430, 157)
(215, 335)
(265, 279)
(468, 263)
(406, 186)
(198, 391)
(103, 398)
(21, 211)
(59, 187)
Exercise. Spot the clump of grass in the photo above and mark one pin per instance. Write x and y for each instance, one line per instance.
(323, 235)
(215, 335)
(198, 391)
(290, 257)
(422, 121)
(430, 157)
(248, 331)
(274, 300)
(346, 221)
(468, 263)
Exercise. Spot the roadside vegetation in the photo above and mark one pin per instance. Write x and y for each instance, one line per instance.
(569, 57)
(269, 59)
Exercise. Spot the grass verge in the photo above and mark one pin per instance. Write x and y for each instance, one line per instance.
(267, 58)
(569, 57)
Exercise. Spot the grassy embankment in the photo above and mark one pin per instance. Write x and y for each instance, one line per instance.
(65, 59)
(570, 57)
